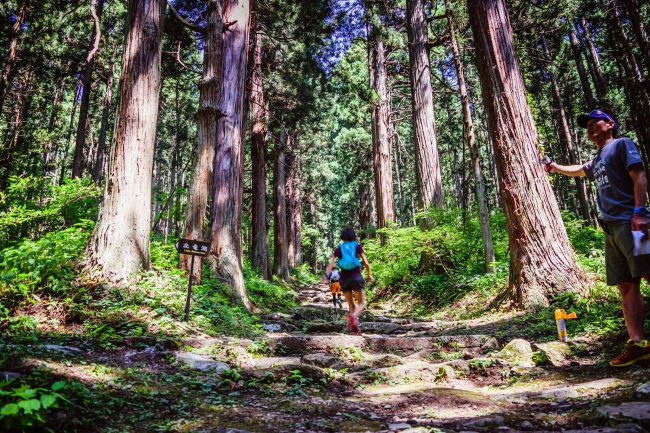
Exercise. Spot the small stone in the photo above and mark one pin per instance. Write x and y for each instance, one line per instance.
(519, 352)
(636, 410)
(492, 344)
(555, 351)
(65, 350)
(527, 425)
(398, 426)
(201, 362)
(643, 390)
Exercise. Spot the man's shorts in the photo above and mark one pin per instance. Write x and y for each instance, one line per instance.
(621, 265)
(352, 282)
(335, 287)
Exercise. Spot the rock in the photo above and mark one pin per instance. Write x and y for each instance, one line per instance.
(491, 345)
(527, 425)
(643, 390)
(273, 327)
(398, 426)
(322, 327)
(378, 327)
(459, 365)
(487, 421)
(320, 359)
(556, 352)
(559, 394)
(518, 352)
(446, 372)
(201, 362)
(64, 350)
(416, 430)
(636, 410)
(272, 362)
(621, 428)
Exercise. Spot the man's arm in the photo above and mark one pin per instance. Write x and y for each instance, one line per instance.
(639, 219)
(567, 170)
(637, 173)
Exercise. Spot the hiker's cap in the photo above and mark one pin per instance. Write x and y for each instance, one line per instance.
(583, 119)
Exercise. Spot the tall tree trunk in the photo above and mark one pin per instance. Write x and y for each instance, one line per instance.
(66, 146)
(293, 198)
(564, 134)
(173, 172)
(12, 50)
(632, 8)
(98, 170)
(280, 250)
(49, 153)
(582, 73)
(226, 210)
(119, 245)
(96, 8)
(479, 182)
(542, 262)
(427, 164)
(365, 208)
(601, 86)
(381, 144)
(208, 118)
(260, 243)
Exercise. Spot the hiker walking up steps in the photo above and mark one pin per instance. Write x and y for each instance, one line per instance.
(621, 187)
(348, 257)
(335, 287)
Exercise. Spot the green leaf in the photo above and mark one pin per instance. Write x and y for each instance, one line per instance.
(30, 405)
(9, 409)
(47, 400)
(56, 386)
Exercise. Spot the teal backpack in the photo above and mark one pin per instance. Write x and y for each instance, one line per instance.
(349, 258)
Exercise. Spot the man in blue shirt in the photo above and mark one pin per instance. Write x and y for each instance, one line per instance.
(621, 188)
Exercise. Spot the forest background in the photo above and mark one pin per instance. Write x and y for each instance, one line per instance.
(266, 127)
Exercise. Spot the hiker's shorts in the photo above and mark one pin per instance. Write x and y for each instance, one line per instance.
(621, 265)
(335, 287)
(352, 282)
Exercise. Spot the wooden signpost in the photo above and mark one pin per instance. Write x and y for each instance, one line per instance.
(193, 248)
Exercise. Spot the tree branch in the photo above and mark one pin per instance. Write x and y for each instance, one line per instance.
(98, 31)
(186, 23)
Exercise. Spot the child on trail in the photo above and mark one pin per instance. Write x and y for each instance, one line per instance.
(621, 187)
(335, 287)
(347, 256)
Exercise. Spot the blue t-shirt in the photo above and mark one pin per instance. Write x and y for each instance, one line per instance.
(615, 189)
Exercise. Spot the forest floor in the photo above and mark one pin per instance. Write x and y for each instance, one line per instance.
(309, 374)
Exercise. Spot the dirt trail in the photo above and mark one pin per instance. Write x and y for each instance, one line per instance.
(309, 374)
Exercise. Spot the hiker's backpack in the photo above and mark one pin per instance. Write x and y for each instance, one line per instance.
(349, 258)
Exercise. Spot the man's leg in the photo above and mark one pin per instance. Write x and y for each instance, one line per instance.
(632, 303)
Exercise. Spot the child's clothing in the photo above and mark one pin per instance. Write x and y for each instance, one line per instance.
(335, 287)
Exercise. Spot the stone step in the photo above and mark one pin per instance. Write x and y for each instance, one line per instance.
(302, 343)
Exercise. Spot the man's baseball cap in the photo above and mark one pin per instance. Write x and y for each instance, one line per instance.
(583, 119)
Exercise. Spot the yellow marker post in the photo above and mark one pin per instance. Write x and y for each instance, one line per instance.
(560, 317)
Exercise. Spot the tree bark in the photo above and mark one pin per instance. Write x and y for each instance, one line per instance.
(173, 172)
(96, 8)
(226, 209)
(479, 181)
(381, 144)
(49, 153)
(427, 163)
(280, 235)
(98, 170)
(12, 50)
(542, 262)
(75, 100)
(208, 118)
(293, 199)
(260, 243)
(119, 245)
(582, 73)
